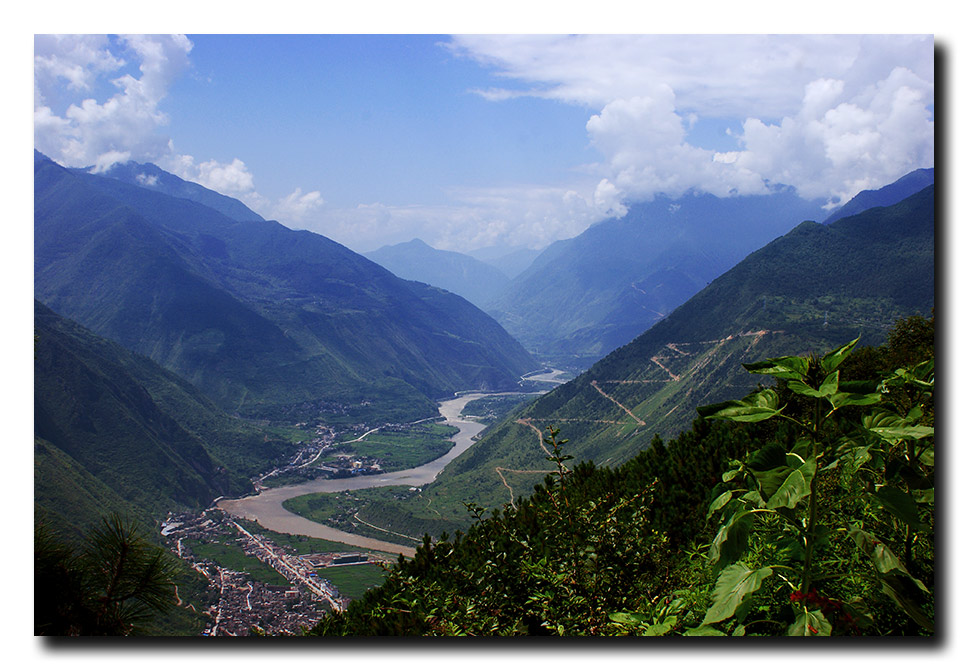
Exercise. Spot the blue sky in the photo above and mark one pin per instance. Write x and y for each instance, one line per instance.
(478, 140)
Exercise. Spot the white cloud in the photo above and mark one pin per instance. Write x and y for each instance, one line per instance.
(127, 123)
(295, 207)
(828, 114)
(532, 216)
(834, 147)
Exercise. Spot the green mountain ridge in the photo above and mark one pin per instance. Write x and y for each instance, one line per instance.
(116, 432)
(269, 322)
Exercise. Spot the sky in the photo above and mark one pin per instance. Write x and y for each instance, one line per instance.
(469, 141)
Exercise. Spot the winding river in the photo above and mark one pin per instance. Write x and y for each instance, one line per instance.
(266, 507)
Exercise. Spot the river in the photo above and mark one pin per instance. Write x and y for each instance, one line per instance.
(266, 507)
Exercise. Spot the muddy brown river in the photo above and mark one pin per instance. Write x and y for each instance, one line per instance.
(266, 507)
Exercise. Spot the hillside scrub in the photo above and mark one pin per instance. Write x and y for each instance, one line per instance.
(823, 523)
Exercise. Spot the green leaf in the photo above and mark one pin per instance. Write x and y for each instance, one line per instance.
(832, 360)
(703, 631)
(883, 558)
(735, 583)
(828, 387)
(631, 619)
(719, 502)
(800, 388)
(660, 629)
(893, 427)
(769, 481)
(786, 367)
(900, 504)
(852, 399)
(757, 406)
(731, 541)
(795, 487)
(809, 623)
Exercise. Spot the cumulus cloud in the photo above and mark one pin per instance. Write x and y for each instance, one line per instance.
(127, 124)
(295, 207)
(835, 147)
(827, 114)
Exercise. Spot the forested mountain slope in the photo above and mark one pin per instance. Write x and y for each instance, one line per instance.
(269, 322)
(116, 432)
(765, 526)
(814, 288)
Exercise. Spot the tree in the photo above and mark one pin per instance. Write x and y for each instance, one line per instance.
(112, 585)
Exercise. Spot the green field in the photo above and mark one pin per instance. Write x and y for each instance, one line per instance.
(399, 447)
(231, 557)
(353, 581)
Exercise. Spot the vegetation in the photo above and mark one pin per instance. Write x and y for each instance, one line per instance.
(116, 432)
(493, 408)
(114, 584)
(400, 447)
(387, 513)
(352, 581)
(822, 524)
(229, 555)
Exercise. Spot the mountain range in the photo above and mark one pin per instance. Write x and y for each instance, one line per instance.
(585, 296)
(458, 273)
(268, 322)
(114, 431)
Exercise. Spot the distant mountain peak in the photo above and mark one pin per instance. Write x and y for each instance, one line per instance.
(885, 196)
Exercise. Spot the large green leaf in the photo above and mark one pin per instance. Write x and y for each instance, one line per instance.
(810, 622)
(757, 406)
(786, 367)
(703, 631)
(735, 583)
(795, 487)
(828, 387)
(731, 541)
(770, 480)
(718, 503)
(832, 360)
(908, 592)
(900, 504)
(893, 427)
(843, 399)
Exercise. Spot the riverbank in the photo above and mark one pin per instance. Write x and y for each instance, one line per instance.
(266, 508)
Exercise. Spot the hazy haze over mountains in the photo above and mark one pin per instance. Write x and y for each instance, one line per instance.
(458, 273)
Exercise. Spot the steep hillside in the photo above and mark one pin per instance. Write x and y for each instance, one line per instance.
(815, 288)
(583, 297)
(891, 194)
(269, 322)
(468, 277)
(116, 432)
